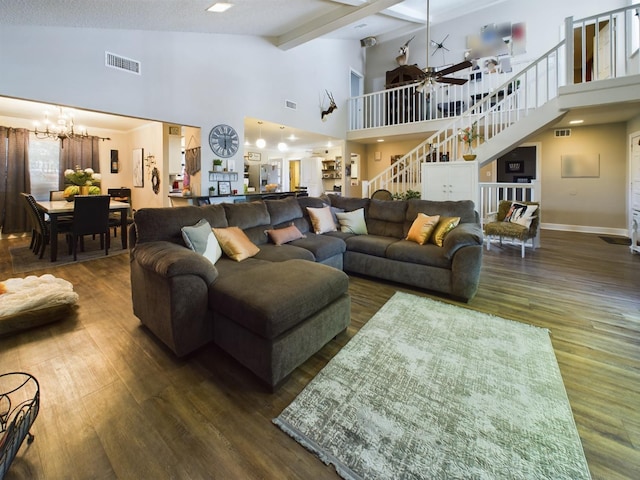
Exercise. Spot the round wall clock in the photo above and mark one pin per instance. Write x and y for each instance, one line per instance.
(224, 140)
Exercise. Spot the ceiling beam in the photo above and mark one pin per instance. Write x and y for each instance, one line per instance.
(341, 17)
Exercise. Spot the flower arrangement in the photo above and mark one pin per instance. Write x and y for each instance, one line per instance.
(80, 180)
(469, 134)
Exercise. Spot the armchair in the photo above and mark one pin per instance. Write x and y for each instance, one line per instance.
(496, 225)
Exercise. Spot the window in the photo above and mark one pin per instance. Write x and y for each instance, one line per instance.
(44, 166)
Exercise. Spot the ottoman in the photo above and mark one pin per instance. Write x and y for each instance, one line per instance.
(274, 317)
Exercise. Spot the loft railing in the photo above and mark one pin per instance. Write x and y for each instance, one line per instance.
(615, 37)
(514, 99)
(403, 105)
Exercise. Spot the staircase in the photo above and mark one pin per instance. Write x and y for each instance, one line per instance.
(523, 105)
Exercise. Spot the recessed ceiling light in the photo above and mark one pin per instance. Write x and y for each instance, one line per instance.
(576, 122)
(380, 140)
(220, 7)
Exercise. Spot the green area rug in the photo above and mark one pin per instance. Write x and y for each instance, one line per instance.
(433, 391)
(24, 260)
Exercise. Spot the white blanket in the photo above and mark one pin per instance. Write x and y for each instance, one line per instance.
(33, 293)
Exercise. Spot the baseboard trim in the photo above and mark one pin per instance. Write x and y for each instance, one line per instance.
(585, 229)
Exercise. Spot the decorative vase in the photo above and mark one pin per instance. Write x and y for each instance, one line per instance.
(469, 154)
(84, 190)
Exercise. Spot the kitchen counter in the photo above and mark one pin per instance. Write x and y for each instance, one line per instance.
(177, 199)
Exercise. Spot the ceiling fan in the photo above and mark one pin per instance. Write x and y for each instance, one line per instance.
(433, 76)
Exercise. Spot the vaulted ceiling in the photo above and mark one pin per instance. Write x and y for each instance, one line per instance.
(287, 23)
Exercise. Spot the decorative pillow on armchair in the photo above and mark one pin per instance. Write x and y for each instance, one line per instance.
(521, 214)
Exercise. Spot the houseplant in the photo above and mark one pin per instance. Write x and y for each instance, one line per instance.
(81, 182)
(217, 165)
(468, 136)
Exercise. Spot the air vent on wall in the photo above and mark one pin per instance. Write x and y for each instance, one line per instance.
(122, 63)
(291, 105)
(563, 132)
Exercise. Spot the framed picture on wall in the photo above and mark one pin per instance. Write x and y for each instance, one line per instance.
(138, 167)
(514, 166)
(224, 187)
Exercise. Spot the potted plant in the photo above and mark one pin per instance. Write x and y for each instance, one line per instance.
(468, 136)
(212, 191)
(217, 165)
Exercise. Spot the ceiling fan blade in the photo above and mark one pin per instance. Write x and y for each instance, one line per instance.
(455, 68)
(455, 81)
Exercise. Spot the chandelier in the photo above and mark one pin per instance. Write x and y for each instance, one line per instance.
(60, 128)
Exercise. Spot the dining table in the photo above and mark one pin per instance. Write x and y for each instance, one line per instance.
(62, 208)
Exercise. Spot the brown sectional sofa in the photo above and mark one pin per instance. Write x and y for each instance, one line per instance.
(273, 311)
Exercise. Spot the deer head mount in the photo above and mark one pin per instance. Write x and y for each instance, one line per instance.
(332, 106)
(403, 58)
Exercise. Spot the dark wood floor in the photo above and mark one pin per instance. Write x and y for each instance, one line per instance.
(116, 404)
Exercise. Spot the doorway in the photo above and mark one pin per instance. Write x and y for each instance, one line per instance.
(356, 90)
(294, 174)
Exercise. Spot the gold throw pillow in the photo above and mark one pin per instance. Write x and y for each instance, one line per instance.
(445, 225)
(235, 243)
(422, 228)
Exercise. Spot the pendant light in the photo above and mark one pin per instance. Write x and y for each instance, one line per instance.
(261, 143)
(282, 146)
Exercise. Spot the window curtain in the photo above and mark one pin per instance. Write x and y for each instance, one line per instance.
(83, 152)
(14, 165)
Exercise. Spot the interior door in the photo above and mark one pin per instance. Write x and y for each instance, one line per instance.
(356, 87)
(602, 45)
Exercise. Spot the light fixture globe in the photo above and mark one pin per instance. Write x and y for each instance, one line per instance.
(282, 146)
(260, 142)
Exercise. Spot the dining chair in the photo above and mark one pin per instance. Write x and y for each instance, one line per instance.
(55, 195)
(382, 194)
(90, 217)
(40, 231)
(121, 195)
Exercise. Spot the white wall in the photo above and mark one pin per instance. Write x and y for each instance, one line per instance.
(187, 79)
(544, 20)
